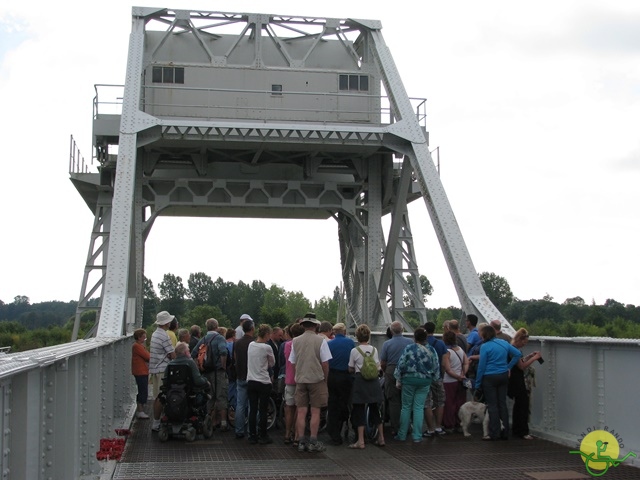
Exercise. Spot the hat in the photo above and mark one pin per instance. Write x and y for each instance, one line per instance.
(245, 316)
(163, 318)
(310, 318)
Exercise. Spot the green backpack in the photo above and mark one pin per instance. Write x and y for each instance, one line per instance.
(369, 369)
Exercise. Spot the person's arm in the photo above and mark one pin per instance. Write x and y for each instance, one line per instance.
(465, 364)
(325, 370)
(446, 364)
(515, 358)
(524, 362)
(482, 365)
(383, 358)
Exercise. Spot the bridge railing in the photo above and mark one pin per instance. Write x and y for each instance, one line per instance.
(586, 384)
(58, 402)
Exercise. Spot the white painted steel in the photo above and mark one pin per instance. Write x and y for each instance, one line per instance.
(58, 402)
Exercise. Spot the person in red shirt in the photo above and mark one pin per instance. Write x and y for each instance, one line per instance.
(140, 370)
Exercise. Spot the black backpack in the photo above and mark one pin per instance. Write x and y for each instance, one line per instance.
(176, 405)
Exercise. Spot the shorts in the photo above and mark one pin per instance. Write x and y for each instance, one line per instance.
(436, 397)
(314, 394)
(290, 395)
(156, 379)
(219, 387)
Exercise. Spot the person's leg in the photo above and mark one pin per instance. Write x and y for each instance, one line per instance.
(460, 399)
(334, 421)
(222, 398)
(253, 393)
(264, 390)
(428, 412)
(302, 406)
(449, 415)
(520, 417)
(394, 399)
(358, 420)
(503, 410)
(241, 407)
(489, 387)
(417, 407)
(408, 392)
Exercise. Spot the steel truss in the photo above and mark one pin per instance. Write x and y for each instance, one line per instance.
(262, 168)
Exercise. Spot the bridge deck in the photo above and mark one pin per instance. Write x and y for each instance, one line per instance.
(450, 457)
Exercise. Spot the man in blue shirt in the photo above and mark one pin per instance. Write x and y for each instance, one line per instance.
(339, 382)
(389, 356)
(473, 338)
(436, 397)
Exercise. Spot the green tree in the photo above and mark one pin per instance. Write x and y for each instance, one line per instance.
(577, 301)
(150, 303)
(297, 305)
(172, 294)
(200, 288)
(198, 316)
(443, 315)
(325, 309)
(425, 286)
(497, 289)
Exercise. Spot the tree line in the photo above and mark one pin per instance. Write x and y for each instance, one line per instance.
(25, 326)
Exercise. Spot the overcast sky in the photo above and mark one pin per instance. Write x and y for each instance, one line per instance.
(535, 107)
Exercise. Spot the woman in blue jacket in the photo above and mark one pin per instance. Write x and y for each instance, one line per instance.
(497, 357)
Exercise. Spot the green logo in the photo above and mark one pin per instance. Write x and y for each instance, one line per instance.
(600, 450)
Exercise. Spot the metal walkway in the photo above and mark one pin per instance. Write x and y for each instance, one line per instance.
(450, 457)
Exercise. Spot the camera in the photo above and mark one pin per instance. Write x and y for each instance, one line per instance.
(541, 360)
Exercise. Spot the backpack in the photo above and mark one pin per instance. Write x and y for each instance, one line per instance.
(176, 406)
(206, 359)
(369, 369)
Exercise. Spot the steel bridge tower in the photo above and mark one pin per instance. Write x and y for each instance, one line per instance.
(276, 116)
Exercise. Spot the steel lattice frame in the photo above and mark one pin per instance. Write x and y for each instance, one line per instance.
(323, 153)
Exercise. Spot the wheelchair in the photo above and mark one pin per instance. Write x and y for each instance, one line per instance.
(184, 406)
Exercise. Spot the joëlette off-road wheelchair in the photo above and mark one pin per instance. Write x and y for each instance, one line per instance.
(184, 406)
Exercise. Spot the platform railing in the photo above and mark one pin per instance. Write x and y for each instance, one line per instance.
(58, 402)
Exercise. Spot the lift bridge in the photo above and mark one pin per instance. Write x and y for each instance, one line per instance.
(263, 116)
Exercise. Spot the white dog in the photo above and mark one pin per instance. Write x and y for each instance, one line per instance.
(474, 412)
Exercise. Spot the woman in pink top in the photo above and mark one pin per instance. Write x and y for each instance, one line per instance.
(295, 330)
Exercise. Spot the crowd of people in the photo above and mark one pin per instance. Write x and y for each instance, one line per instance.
(313, 367)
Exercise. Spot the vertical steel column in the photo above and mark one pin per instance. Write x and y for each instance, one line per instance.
(465, 278)
(374, 241)
(121, 252)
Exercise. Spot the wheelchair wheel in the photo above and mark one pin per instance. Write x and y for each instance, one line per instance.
(190, 434)
(207, 426)
(272, 414)
(370, 429)
(163, 433)
(231, 416)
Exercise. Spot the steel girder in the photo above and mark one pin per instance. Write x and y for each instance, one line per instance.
(373, 273)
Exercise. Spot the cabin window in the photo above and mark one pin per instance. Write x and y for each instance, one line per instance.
(276, 89)
(167, 75)
(354, 83)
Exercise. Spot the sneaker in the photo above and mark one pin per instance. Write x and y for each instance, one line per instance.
(266, 440)
(427, 434)
(440, 432)
(155, 426)
(316, 447)
(398, 438)
(253, 439)
(142, 415)
(239, 436)
(417, 440)
(302, 447)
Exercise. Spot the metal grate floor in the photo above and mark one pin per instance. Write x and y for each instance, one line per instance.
(450, 457)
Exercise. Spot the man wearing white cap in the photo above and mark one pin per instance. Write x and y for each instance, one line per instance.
(239, 331)
(160, 354)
